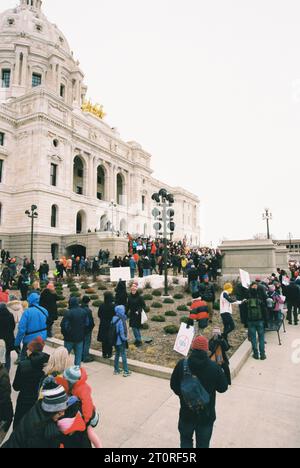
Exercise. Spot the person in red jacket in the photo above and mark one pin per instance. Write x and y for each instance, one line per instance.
(4, 296)
(199, 312)
(74, 381)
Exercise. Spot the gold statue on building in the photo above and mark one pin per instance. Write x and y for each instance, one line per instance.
(95, 109)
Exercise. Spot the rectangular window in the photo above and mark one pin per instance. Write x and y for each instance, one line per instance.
(99, 196)
(53, 175)
(80, 173)
(5, 78)
(62, 91)
(36, 80)
(143, 202)
(79, 191)
(1, 170)
(2, 138)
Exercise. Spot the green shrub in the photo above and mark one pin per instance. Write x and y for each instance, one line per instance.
(148, 297)
(60, 297)
(84, 286)
(157, 293)
(74, 289)
(217, 305)
(102, 287)
(147, 309)
(75, 294)
(94, 297)
(171, 313)
(182, 308)
(61, 312)
(158, 318)
(179, 296)
(184, 320)
(97, 303)
(62, 305)
(171, 329)
(145, 326)
(189, 304)
(169, 301)
(90, 291)
(157, 305)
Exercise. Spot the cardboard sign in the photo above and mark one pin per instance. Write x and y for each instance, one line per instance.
(245, 279)
(184, 340)
(117, 274)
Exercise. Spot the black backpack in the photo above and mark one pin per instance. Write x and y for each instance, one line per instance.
(255, 313)
(113, 334)
(194, 394)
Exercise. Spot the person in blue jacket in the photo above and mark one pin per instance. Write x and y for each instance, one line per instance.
(33, 324)
(122, 340)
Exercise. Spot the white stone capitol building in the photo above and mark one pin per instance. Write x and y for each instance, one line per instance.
(62, 157)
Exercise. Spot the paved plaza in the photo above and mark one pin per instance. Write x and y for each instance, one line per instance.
(262, 409)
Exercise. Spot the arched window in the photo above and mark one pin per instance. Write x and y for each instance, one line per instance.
(54, 211)
(101, 183)
(78, 176)
(104, 223)
(120, 190)
(55, 251)
(81, 222)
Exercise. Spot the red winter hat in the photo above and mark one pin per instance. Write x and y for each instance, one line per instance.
(200, 343)
(37, 345)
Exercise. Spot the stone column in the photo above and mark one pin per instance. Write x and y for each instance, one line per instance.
(24, 70)
(17, 69)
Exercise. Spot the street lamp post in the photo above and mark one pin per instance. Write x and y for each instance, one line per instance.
(32, 214)
(267, 216)
(290, 238)
(165, 200)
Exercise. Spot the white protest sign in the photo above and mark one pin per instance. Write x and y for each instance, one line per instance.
(184, 340)
(117, 274)
(245, 279)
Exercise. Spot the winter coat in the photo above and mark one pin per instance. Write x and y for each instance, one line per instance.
(33, 322)
(136, 305)
(146, 264)
(49, 300)
(193, 275)
(207, 292)
(212, 379)
(16, 309)
(83, 392)
(91, 324)
(106, 313)
(36, 430)
(220, 347)
(120, 321)
(7, 327)
(121, 294)
(27, 381)
(6, 408)
(293, 294)
(74, 326)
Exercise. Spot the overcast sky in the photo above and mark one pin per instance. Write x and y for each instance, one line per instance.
(211, 88)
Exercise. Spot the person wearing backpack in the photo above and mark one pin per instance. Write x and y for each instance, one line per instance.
(218, 348)
(119, 338)
(196, 381)
(34, 323)
(256, 325)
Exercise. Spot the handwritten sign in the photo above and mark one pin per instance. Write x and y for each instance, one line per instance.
(184, 340)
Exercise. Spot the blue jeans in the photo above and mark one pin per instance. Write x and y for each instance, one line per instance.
(187, 428)
(7, 361)
(146, 273)
(132, 273)
(78, 350)
(86, 346)
(137, 335)
(257, 328)
(121, 352)
(194, 286)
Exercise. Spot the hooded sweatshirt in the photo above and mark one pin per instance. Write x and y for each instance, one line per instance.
(16, 309)
(121, 327)
(75, 323)
(33, 322)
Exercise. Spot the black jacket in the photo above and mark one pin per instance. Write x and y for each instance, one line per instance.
(7, 327)
(36, 430)
(6, 408)
(136, 305)
(207, 292)
(121, 294)
(212, 378)
(27, 381)
(293, 294)
(74, 326)
(193, 275)
(48, 300)
(106, 313)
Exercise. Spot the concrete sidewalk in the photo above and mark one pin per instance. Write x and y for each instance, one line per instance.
(262, 409)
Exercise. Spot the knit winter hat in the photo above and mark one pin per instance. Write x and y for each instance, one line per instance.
(54, 396)
(200, 343)
(37, 345)
(2, 352)
(73, 374)
(228, 287)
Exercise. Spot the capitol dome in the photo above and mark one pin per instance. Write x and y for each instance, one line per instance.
(34, 52)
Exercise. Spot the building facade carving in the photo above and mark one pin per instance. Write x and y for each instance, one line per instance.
(68, 162)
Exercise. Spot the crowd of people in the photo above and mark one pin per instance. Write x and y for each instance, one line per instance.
(55, 395)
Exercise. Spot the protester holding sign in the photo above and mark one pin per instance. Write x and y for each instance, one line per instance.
(135, 307)
(226, 310)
